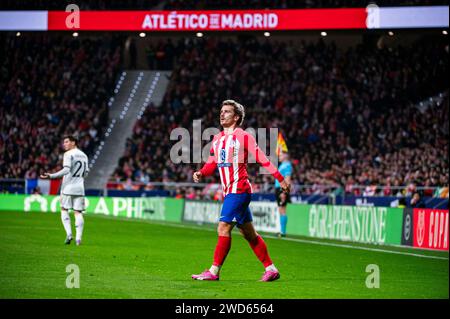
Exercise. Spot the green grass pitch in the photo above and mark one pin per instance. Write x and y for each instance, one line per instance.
(135, 259)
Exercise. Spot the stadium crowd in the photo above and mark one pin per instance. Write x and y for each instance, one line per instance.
(350, 117)
(49, 87)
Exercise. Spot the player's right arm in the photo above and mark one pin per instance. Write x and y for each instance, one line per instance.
(209, 167)
(67, 162)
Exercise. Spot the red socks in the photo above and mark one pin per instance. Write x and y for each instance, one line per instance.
(260, 249)
(258, 245)
(222, 249)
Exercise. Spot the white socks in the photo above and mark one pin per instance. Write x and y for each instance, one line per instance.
(79, 224)
(214, 270)
(271, 268)
(65, 218)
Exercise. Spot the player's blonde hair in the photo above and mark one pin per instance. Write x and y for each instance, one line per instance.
(238, 109)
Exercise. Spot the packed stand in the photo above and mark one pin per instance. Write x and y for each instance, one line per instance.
(349, 117)
(51, 86)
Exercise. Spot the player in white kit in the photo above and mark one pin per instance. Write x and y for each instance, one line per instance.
(75, 168)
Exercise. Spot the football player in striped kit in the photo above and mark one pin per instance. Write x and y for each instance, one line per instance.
(229, 155)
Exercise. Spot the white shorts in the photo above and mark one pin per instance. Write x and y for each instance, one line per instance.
(75, 202)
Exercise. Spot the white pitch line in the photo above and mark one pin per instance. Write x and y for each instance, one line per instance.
(325, 243)
(361, 248)
(306, 241)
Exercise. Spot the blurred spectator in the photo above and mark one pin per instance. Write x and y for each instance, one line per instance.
(191, 193)
(416, 201)
(442, 192)
(401, 202)
(180, 193)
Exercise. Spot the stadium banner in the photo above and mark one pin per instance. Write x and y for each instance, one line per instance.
(201, 212)
(266, 217)
(151, 208)
(374, 225)
(372, 17)
(430, 228)
(216, 20)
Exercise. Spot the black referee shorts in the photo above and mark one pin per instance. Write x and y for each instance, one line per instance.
(282, 200)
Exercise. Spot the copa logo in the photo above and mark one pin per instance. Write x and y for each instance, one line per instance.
(421, 228)
(222, 155)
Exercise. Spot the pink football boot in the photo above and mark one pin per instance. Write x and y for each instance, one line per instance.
(270, 276)
(206, 275)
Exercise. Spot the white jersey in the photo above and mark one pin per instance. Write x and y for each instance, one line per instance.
(73, 182)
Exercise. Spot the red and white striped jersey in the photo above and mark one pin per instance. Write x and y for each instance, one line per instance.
(229, 154)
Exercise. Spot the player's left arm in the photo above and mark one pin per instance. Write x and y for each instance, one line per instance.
(262, 159)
